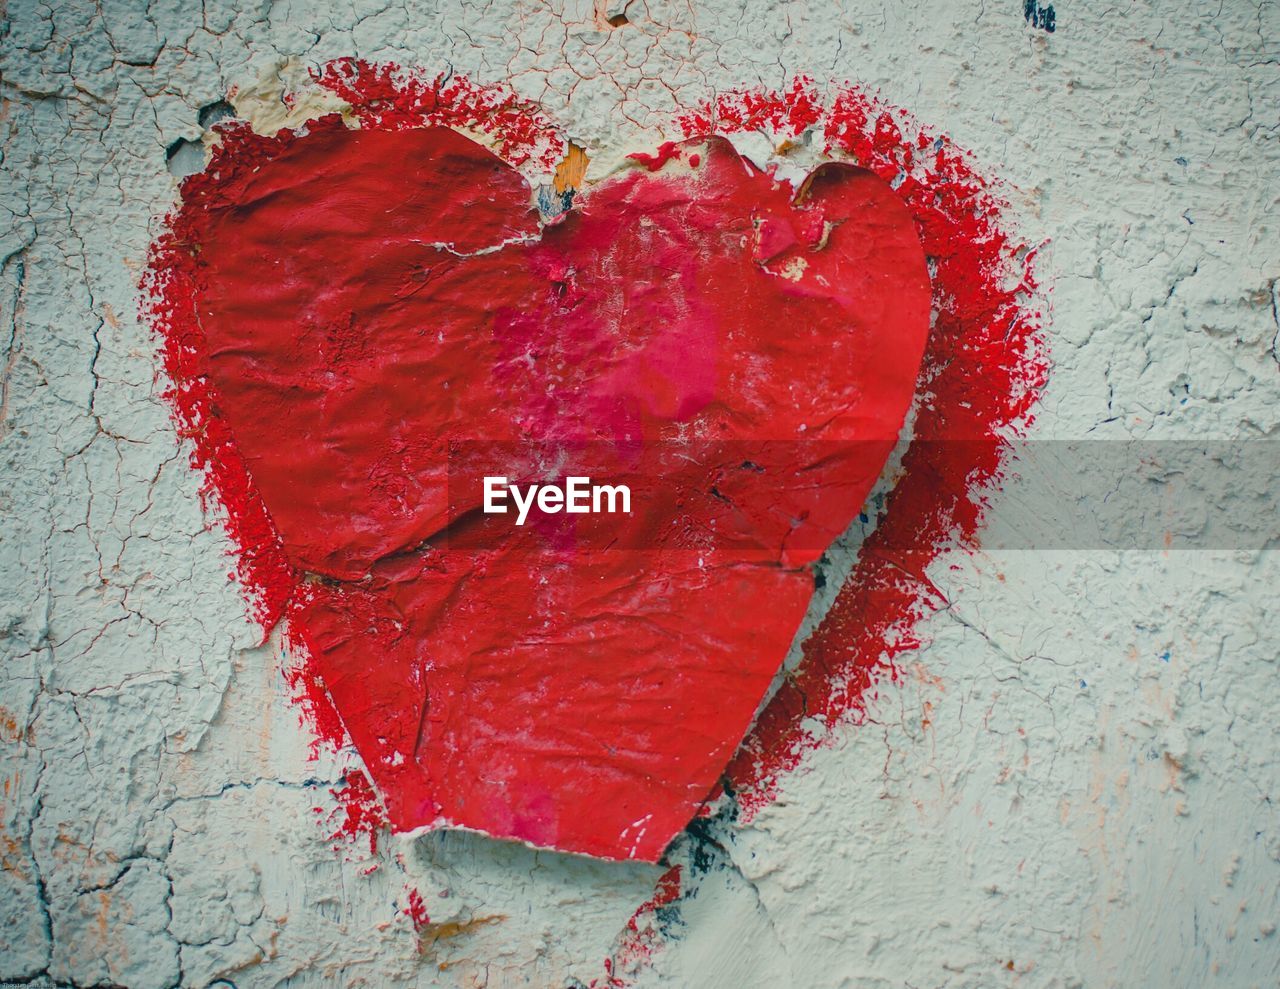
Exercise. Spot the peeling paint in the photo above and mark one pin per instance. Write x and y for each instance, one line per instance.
(1037, 798)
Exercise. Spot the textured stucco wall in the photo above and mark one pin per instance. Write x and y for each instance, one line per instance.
(1072, 784)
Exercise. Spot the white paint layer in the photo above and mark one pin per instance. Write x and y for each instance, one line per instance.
(1075, 784)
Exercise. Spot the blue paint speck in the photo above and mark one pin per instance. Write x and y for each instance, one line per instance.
(1041, 17)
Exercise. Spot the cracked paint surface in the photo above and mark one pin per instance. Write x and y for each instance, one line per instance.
(1039, 799)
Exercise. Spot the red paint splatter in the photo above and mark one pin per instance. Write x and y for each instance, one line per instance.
(388, 97)
(639, 938)
(666, 152)
(314, 704)
(642, 938)
(416, 911)
(787, 112)
(261, 565)
(359, 813)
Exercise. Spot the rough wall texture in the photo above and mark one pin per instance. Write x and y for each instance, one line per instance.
(1071, 784)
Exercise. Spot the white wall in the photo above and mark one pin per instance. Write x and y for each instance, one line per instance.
(157, 821)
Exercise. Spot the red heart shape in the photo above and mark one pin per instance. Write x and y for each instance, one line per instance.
(373, 301)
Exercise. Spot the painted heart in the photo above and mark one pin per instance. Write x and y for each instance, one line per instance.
(383, 316)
